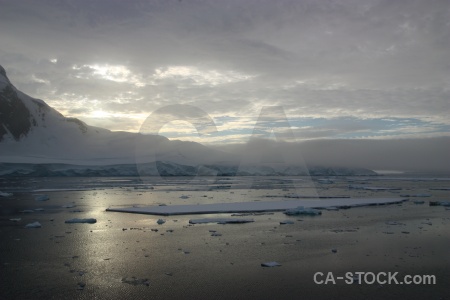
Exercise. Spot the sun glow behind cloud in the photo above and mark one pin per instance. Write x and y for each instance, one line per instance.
(116, 73)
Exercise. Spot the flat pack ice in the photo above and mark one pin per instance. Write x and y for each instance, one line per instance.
(255, 206)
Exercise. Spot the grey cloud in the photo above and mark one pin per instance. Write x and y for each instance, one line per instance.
(355, 58)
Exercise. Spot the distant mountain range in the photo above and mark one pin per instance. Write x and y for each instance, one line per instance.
(37, 140)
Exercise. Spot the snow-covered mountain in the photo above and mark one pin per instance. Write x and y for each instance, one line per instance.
(33, 132)
(37, 140)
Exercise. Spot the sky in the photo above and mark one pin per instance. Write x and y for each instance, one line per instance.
(356, 69)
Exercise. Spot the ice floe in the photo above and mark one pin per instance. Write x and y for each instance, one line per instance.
(286, 222)
(255, 206)
(41, 197)
(270, 264)
(33, 225)
(439, 203)
(220, 221)
(87, 220)
(302, 211)
(3, 194)
(371, 188)
(416, 195)
(325, 181)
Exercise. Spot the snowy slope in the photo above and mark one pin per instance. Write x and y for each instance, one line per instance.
(33, 132)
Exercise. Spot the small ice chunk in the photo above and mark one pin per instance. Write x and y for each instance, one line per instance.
(184, 197)
(216, 234)
(302, 211)
(28, 211)
(416, 195)
(325, 181)
(419, 202)
(334, 250)
(393, 223)
(16, 219)
(270, 264)
(136, 281)
(87, 220)
(69, 206)
(220, 221)
(33, 225)
(3, 194)
(38, 209)
(41, 197)
(333, 208)
(286, 222)
(161, 221)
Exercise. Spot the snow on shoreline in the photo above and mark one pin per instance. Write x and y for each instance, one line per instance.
(257, 206)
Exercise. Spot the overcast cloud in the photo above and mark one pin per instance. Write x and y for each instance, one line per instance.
(339, 69)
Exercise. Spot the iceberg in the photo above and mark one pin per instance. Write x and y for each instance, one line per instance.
(76, 220)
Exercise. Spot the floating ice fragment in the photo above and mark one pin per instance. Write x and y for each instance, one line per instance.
(419, 202)
(302, 211)
(76, 220)
(334, 250)
(184, 197)
(439, 203)
(41, 197)
(33, 225)
(325, 181)
(416, 195)
(161, 221)
(38, 209)
(220, 221)
(3, 194)
(216, 234)
(270, 264)
(334, 208)
(136, 281)
(69, 206)
(81, 285)
(285, 222)
(16, 219)
(28, 211)
(393, 223)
